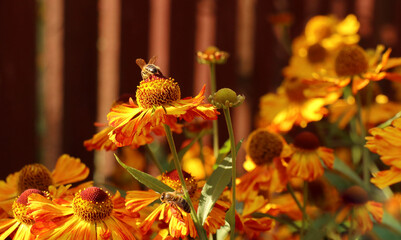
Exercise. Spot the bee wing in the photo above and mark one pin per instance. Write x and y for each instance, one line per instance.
(153, 60)
(140, 62)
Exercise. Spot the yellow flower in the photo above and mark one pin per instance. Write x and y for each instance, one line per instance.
(360, 66)
(386, 143)
(159, 102)
(292, 105)
(265, 151)
(92, 214)
(180, 223)
(357, 208)
(67, 170)
(19, 226)
(305, 162)
(314, 51)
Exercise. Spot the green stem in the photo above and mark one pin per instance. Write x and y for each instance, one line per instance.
(291, 190)
(305, 198)
(234, 163)
(365, 153)
(170, 140)
(215, 122)
(153, 158)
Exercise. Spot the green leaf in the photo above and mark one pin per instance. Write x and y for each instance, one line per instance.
(146, 179)
(341, 168)
(388, 122)
(391, 223)
(213, 188)
(319, 228)
(224, 150)
(223, 231)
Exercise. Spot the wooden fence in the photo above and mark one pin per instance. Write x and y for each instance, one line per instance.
(62, 62)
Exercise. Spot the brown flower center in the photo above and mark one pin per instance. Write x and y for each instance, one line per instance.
(92, 204)
(263, 146)
(307, 141)
(34, 176)
(316, 53)
(19, 206)
(355, 195)
(173, 180)
(351, 60)
(156, 91)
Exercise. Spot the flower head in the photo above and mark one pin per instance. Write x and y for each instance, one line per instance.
(37, 176)
(212, 55)
(264, 163)
(92, 213)
(226, 98)
(356, 198)
(385, 142)
(159, 103)
(305, 162)
(19, 226)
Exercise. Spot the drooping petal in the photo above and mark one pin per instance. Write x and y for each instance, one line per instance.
(69, 170)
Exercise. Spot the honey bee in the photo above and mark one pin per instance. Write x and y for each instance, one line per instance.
(149, 69)
(175, 200)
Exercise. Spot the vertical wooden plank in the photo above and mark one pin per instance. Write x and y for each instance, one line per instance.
(182, 44)
(80, 76)
(134, 42)
(51, 81)
(159, 33)
(108, 76)
(204, 37)
(17, 84)
(244, 60)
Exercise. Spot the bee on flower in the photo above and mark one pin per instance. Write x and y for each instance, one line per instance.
(158, 102)
(179, 221)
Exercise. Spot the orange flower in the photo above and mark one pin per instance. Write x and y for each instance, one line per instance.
(180, 223)
(292, 105)
(360, 66)
(357, 208)
(19, 226)
(67, 170)
(386, 143)
(266, 172)
(159, 102)
(92, 214)
(252, 227)
(212, 55)
(307, 154)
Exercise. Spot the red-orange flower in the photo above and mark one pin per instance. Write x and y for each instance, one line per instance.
(92, 214)
(386, 142)
(305, 162)
(159, 102)
(67, 170)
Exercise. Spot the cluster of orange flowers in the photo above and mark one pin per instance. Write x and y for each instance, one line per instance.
(288, 185)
